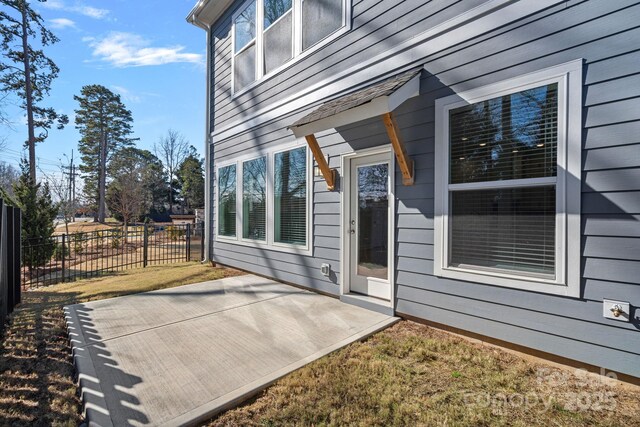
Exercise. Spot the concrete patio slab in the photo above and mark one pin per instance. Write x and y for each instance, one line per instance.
(179, 356)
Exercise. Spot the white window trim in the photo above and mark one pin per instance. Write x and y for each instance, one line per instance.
(216, 201)
(297, 53)
(269, 243)
(566, 282)
(240, 200)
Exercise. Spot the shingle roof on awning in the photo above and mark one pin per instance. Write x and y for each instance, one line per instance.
(374, 100)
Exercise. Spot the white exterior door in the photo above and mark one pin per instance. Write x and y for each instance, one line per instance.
(369, 231)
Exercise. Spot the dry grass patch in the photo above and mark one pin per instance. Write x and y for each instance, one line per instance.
(411, 374)
(85, 227)
(37, 386)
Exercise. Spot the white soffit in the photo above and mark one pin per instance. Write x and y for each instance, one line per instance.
(208, 11)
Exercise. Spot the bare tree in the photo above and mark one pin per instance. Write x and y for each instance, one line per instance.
(171, 149)
(130, 194)
(124, 199)
(8, 177)
(63, 195)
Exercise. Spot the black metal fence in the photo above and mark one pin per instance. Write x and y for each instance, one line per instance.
(69, 257)
(10, 225)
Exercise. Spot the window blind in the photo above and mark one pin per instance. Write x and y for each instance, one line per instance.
(511, 137)
(227, 201)
(254, 198)
(290, 197)
(513, 227)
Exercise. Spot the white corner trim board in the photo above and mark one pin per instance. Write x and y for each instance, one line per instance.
(486, 17)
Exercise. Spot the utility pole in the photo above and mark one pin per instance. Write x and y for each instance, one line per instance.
(72, 184)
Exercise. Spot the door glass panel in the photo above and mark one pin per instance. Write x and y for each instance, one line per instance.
(373, 220)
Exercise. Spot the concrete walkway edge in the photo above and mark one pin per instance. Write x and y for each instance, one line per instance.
(92, 398)
(223, 403)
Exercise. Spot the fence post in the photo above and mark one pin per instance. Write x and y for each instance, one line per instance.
(201, 241)
(17, 248)
(188, 242)
(3, 270)
(64, 250)
(145, 246)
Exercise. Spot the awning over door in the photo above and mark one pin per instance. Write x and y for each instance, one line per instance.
(378, 100)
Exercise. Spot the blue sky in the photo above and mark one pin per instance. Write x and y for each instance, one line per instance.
(142, 49)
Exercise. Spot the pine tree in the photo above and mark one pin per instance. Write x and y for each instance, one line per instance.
(191, 178)
(26, 71)
(38, 213)
(105, 125)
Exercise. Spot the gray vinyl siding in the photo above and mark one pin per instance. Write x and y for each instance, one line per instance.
(376, 27)
(607, 35)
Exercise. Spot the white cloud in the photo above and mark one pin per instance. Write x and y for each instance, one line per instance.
(82, 9)
(91, 12)
(53, 4)
(126, 94)
(61, 23)
(131, 50)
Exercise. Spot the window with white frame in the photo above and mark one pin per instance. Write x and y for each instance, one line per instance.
(290, 197)
(268, 34)
(507, 202)
(273, 207)
(227, 188)
(254, 199)
(244, 45)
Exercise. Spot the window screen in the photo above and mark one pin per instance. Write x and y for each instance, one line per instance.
(254, 198)
(227, 201)
(290, 194)
(319, 19)
(244, 66)
(278, 42)
(513, 227)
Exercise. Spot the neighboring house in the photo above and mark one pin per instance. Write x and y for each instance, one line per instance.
(182, 219)
(474, 164)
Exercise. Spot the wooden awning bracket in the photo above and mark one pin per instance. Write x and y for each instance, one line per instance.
(405, 162)
(328, 173)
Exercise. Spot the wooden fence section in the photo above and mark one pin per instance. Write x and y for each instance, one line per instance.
(10, 250)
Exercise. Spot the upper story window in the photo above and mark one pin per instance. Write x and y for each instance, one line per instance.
(269, 34)
(244, 33)
(508, 183)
